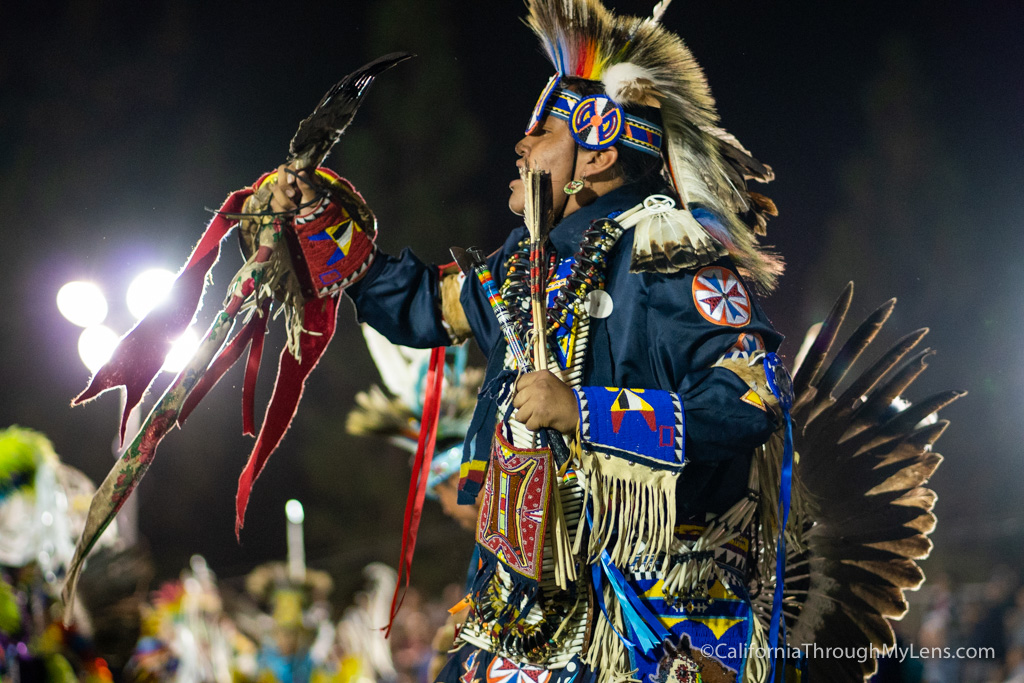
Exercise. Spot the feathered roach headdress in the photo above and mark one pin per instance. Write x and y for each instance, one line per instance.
(645, 67)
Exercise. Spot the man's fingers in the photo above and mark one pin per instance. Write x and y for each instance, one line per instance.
(533, 386)
(543, 400)
(280, 202)
(302, 183)
(531, 418)
(279, 198)
(523, 389)
(532, 378)
(524, 415)
(522, 395)
(283, 180)
(306, 185)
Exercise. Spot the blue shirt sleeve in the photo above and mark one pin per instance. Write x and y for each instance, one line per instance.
(661, 348)
(398, 297)
(665, 343)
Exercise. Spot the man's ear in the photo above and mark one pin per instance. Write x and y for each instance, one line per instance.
(599, 161)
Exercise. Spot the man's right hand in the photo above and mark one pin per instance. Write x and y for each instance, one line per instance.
(291, 189)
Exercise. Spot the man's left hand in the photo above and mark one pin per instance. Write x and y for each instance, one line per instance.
(544, 400)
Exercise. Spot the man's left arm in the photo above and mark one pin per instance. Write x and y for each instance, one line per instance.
(705, 403)
(709, 402)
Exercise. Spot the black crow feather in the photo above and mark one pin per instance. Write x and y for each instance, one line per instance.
(321, 129)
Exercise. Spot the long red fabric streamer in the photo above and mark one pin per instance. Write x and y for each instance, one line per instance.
(418, 482)
(252, 371)
(140, 353)
(320, 318)
(253, 331)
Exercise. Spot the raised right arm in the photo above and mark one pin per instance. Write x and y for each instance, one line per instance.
(411, 303)
(400, 298)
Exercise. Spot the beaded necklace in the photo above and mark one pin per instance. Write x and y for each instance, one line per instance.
(555, 624)
(587, 274)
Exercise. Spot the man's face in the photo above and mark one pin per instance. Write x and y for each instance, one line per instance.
(550, 148)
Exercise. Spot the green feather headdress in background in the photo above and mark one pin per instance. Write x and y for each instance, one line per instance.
(22, 452)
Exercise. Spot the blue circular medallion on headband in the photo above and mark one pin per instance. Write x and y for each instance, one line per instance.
(596, 122)
(779, 381)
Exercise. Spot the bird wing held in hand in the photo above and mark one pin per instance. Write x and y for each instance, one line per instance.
(320, 130)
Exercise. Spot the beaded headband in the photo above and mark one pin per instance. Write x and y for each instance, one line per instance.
(642, 66)
(595, 121)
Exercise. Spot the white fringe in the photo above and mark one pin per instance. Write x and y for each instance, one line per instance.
(636, 505)
(607, 656)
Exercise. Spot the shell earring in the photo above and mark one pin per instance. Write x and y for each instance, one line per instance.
(574, 186)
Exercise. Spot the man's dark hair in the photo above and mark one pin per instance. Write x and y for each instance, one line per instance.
(637, 167)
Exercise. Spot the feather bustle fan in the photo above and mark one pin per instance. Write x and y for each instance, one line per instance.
(863, 512)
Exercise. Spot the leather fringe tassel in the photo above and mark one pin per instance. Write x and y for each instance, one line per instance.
(631, 518)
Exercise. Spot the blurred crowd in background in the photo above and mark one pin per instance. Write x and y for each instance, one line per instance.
(970, 631)
(261, 628)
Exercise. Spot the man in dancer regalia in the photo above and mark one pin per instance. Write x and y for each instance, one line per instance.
(657, 499)
(653, 330)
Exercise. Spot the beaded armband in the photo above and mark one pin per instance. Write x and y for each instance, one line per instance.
(332, 245)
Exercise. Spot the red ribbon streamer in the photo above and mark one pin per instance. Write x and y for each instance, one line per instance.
(252, 371)
(140, 353)
(418, 482)
(320, 316)
(253, 331)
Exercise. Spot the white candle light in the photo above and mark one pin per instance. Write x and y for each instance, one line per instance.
(296, 545)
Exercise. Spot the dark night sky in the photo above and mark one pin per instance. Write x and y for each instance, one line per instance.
(894, 129)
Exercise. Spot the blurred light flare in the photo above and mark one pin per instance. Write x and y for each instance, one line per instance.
(181, 352)
(82, 303)
(294, 512)
(95, 346)
(147, 290)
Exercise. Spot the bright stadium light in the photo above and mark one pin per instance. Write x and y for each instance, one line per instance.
(181, 352)
(82, 303)
(147, 290)
(95, 346)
